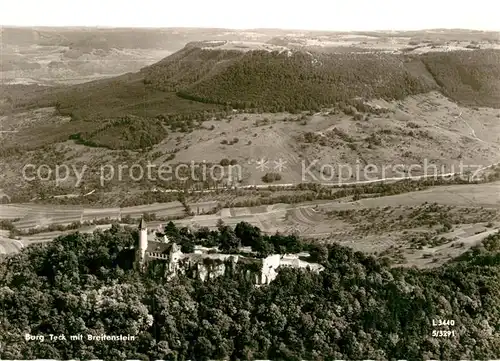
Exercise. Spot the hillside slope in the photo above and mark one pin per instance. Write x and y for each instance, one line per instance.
(278, 80)
(274, 80)
(472, 78)
(207, 79)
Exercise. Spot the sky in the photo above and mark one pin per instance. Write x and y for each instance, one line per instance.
(234, 14)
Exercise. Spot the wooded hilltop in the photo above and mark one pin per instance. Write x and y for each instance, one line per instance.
(358, 308)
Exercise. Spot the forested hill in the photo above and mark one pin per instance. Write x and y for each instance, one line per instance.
(301, 80)
(358, 308)
(283, 80)
(202, 81)
(199, 80)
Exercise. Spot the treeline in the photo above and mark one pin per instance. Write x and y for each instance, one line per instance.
(357, 308)
(186, 67)
(129, 132)
(306, 192)
(229, 240)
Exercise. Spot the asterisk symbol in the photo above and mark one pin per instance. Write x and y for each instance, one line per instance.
(262, 164)
(279, 165)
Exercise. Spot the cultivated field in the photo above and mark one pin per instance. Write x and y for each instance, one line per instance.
(410, 228)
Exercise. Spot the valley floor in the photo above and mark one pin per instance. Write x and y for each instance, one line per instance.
(316, 219)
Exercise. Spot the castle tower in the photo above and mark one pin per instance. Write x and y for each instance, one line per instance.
(143, 243)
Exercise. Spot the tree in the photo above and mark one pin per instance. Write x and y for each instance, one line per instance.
(228, 242)
(263, 247)
(171, 231)
(319, 253)
(248, 234)
(220, 224)
(187, 246)
(271, 177)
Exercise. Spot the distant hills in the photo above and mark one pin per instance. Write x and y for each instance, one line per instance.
(52, 56)
(171, 39)
(205, 78)
(290, 80)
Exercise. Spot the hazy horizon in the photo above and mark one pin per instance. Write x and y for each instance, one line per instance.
(318, 15)
(235, 29)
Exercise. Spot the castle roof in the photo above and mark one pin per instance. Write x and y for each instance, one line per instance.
(158, 247)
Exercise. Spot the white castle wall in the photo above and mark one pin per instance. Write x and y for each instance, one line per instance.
(269, 269)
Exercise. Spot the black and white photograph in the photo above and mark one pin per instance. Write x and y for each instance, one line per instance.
(265, 180)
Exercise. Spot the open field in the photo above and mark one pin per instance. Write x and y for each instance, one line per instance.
(9, 245)
(59, 65)
(31, 215)
(405, 227)
(383, 141)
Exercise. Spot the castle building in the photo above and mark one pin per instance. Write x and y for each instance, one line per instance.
(208, 265)
(151, 247)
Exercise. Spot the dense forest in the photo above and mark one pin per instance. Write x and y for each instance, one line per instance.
(358, 308)
(300, 80)
(469, 77)
(274, 81)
